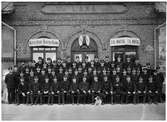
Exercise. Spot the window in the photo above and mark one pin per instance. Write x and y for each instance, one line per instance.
(44, 52)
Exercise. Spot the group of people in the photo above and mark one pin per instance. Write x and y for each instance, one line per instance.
(66, 82)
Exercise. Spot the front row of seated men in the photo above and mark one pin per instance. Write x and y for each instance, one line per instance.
(81, 92)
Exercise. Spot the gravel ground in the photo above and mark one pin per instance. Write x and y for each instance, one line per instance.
(84, 112)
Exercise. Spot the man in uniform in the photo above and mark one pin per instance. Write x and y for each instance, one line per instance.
(60, 75)
(117, 90)
(39, 63)
(69, 63)
(106, 89)
(49, 63)
(16, 76)
(107, 63)
(118, 62)
(129, 88)
(83, 87)
(35, 90)
(38, 71)
(140, 90)
(96, 62)
(65, 90)
(78, 63)
(151, 90)
(95, 88)
(21, 92)
(74, 90)
(11, 84)
(87, 62)
(42, 77)
(55, 90)
(46, 90)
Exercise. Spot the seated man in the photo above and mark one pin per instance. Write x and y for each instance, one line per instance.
(95, 88)
(106, 89)
(117, 90)
(129, 89)
(55, 91)
(64, 90)
(46, 90)
(140, 90)
(21, 92)
(74, 90)
(83, 87)
(35, 91)
(151, 90)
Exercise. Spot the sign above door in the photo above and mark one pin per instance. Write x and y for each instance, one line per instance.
(125, 41)
(44, 42)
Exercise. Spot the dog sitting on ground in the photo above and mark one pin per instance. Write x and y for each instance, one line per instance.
(98, 100)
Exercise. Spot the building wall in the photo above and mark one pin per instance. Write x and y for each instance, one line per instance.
(32, 20)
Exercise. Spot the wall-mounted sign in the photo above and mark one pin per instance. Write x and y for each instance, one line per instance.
(44, 42)
(83, 9)
(124, 41)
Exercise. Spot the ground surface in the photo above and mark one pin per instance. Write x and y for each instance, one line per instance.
(83, 112)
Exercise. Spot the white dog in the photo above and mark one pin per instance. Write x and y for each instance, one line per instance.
(98, 100)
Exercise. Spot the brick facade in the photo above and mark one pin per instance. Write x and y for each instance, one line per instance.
(32, 20)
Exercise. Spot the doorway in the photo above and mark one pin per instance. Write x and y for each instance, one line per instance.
(124, 52)
(82, 51)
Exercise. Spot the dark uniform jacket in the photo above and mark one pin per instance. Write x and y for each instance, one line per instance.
(42, 78)
(55, 87)
(117, 87)
(151, 87)
(16, 78)
(106, 86)
(60, 77)
(96, 86)
(140, 87)
(129, 86)
(31, 79)
(84, 86)
(65, 86)
(35, 87)
(74, 87)
(46, 87)
(10, 81)
(22, 88)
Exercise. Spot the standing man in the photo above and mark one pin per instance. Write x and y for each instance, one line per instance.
(11, 85)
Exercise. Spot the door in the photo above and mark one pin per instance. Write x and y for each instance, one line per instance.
(82, 51)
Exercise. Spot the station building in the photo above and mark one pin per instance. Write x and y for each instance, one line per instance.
(70, 29)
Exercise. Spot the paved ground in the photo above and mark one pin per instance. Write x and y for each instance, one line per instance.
(83, 112)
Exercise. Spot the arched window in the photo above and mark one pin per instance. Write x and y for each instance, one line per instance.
(124, 46)
(82, 49)
(44, 47)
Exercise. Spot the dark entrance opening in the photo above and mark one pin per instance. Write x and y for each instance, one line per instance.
(84, 50)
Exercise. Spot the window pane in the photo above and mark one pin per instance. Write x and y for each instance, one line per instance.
(36, 55)
(47, 48)
(35, 48)
(50, 55)
(53, 48)
(79, 55)
(90, 57)
(40, 48)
